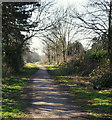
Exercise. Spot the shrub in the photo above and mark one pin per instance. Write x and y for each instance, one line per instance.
(96, 55)
(103, 82)
(71, 67)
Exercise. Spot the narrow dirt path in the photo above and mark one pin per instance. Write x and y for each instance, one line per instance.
(48, 101)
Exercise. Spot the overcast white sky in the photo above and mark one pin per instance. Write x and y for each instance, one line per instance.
(36, 43)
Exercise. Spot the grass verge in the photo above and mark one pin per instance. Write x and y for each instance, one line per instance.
(95, 103)
(13, 104)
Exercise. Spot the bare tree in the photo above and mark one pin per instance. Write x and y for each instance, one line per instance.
(61, 33)
(96, 19)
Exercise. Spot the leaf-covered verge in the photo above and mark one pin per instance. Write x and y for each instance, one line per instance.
(13, 102)
(93, 102)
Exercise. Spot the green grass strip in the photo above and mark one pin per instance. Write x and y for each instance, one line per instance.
(13, 106)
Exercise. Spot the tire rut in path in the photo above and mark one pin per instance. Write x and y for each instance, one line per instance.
(48, 101)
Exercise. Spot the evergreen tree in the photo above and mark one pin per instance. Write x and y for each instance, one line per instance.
(15, 20)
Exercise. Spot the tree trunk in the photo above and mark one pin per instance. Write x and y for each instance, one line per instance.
(57, 56)
(64, 56)
(64, 49)
(110, 36)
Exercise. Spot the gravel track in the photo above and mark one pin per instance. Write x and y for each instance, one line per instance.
(48, 100)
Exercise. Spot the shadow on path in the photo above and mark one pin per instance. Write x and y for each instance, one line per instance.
(48, 101)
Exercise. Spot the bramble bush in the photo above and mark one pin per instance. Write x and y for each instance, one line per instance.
(103, 82)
